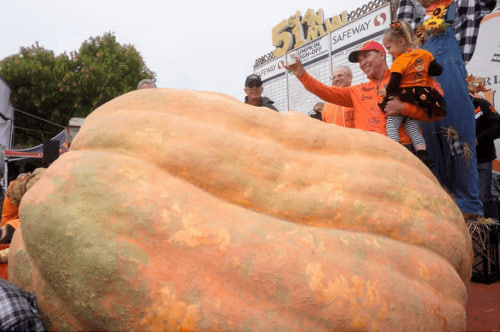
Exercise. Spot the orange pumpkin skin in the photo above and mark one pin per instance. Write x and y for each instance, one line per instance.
(182, 210)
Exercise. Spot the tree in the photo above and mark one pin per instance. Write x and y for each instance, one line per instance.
(57, 88)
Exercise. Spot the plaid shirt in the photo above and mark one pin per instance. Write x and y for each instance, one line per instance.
(466, 25)
(18, 311)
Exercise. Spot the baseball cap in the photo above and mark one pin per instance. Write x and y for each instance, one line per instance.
(368, 46)
(253, 78)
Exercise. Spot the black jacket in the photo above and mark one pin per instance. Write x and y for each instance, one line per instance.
(487, 129)
(266, 102)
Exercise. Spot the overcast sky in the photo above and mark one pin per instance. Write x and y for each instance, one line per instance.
(198, 45)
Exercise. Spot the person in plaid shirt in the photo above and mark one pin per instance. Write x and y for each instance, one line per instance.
(466, 24)
(448, 29)
(18, 310)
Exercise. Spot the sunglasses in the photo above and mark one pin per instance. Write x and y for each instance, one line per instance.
(253, 85)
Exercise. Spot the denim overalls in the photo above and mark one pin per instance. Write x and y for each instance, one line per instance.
(454, 155)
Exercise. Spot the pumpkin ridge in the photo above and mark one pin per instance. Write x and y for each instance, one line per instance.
(184, 162)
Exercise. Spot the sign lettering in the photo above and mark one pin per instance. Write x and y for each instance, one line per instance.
(297, 30)
(349, 33)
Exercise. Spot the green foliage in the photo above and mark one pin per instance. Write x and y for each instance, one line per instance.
(57, 88)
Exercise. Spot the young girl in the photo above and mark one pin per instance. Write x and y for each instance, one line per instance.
(410, 81)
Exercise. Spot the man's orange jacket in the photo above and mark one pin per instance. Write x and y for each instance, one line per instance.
(337, 114)
(364, 98)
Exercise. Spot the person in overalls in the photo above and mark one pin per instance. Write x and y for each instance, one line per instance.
(451, 140)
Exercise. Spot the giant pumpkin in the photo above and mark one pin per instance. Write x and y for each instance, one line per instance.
(191, 211)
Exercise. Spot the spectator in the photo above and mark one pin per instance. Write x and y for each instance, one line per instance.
(364, 97)
(146, 84)
(317, 111)
(451, 140)
(18, 309)
(338, 114)
(253, 90)
(10, 213)
(487, 130)
(409, 74)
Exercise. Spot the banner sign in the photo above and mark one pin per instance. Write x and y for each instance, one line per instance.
(319, 56)
(373, 23)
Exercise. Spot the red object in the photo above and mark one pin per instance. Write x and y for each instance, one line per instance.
(368, 46)
(11, 153)
(4, 266)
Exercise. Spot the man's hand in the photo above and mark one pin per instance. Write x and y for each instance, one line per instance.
(296, 68)
(394, 106)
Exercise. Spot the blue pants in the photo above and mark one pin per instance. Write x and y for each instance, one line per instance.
(455, 165)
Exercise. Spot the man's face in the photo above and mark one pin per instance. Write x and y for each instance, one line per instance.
(373, 64)
(253, 90)
(341, 77)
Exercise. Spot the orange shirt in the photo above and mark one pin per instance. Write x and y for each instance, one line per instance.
(339, 115)
(10, 214)
(413, 67)
(364, 98)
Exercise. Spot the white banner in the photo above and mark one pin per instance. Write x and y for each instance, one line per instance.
(373, 23)
(271, 69)
(6, 116)
(485, 62)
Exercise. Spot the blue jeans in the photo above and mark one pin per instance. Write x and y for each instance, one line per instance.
(485, 176)
(457, 171)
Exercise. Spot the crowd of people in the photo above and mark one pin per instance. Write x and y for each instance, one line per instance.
(422, 100)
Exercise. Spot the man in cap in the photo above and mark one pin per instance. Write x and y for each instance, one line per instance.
(253, 90)
(364, 97)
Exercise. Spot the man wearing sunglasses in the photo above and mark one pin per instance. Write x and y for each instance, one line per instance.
(338, 114)
(253, 90)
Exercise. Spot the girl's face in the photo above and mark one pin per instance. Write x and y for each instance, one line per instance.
(394, 47)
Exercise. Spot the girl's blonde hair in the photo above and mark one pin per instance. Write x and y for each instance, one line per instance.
(401, 30)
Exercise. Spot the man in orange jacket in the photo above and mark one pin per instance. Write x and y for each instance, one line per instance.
(364, 97)
(338, 114)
